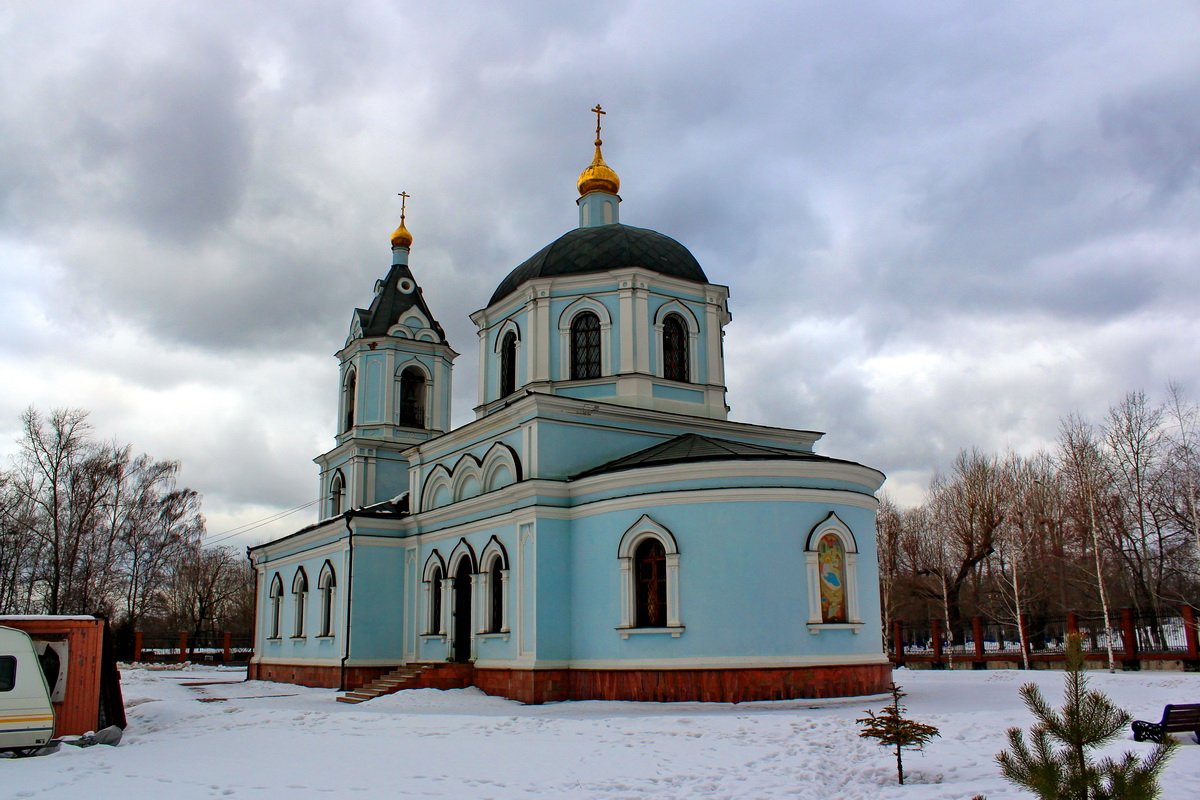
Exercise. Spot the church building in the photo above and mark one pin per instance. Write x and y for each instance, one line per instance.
(601, 530)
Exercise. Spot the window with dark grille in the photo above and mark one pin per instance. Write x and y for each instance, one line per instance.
(497, 587)
(651, 589)
(349, 399)
(412, 398)
(675, 354)
(585, 346)
(508, 364)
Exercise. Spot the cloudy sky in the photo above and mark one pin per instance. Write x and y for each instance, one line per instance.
(942, 224)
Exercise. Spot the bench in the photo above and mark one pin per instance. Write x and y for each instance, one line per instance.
(1175, 719)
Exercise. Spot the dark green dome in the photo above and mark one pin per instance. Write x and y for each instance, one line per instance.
(603, 248)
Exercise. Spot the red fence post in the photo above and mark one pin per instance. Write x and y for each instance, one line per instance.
(1191, 634)
(898, 642)
(977, 632)
(182, 646)
(226, 642)
(935, 632)
(1129, 638)
(137, 645)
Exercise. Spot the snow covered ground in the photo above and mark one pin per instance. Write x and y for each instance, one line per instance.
(254, 739)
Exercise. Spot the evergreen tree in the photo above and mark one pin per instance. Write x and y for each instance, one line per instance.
(1056, 765)
(892, 729)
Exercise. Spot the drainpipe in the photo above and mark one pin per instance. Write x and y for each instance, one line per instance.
(349, 600)
(253, 619)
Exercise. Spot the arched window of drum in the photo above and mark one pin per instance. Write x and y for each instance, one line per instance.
(831, 566)
(348, 400)
(651, 584)
(435, 601)
(276, 596)
(585, 346)
(412, 398)
(496, 586)
(675, 354)
(337, 493)
(508, 364)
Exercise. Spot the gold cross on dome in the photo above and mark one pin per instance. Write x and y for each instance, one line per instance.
(598, 111)
(403, 202)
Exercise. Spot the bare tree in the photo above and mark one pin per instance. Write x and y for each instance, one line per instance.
(967, 510)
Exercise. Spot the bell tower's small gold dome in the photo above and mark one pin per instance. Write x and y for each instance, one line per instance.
(401, 237)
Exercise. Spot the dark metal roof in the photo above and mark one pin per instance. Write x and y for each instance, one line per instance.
(693, 447)
(390, 304)
(602, 248)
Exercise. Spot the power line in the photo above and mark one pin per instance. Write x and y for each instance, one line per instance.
(258, 523)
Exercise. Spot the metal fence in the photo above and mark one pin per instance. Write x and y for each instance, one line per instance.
(208, 647)
(1133, 637)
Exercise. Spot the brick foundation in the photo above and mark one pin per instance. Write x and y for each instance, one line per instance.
(684, 685)
(654, 685)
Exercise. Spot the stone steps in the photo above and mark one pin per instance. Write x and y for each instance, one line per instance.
(394, 681)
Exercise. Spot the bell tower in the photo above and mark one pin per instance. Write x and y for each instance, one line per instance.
(394, 387)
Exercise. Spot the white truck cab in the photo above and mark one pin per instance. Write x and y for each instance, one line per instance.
(26, 715)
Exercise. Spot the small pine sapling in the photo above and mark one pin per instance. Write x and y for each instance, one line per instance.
(1056, 765)
(892, 729)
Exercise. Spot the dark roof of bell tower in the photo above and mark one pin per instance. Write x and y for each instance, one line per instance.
(603, 248)
(390, 303)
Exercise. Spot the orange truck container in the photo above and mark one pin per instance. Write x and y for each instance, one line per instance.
(82, 676)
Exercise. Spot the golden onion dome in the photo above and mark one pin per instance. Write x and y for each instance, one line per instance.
(598, 176)
(401, 237)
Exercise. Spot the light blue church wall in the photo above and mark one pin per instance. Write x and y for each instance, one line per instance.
(565, 449)
(554, 595)
(310, 645)
(376, 615)
(742, 582)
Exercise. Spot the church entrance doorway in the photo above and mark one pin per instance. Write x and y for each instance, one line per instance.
(462, 612)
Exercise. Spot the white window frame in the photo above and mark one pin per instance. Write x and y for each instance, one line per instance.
(300, 599)
(564, 336)
(493, 552)
(433, 579)
(337, 493)
(327, 583)
(647, 528)
(691, 326)
(276, 606)
(832, 524)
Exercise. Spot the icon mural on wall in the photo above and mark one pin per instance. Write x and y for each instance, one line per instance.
(831, 561)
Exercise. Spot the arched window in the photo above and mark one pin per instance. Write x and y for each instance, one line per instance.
(276, 596)
(337, 493)
(348, 400)
(585, 346)
(300, 597)
(496, 588)
(675, 354)
(650, 562)
(831, 564)
(435, 601)
(326, 583)
(412, 397)
(508, 364)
